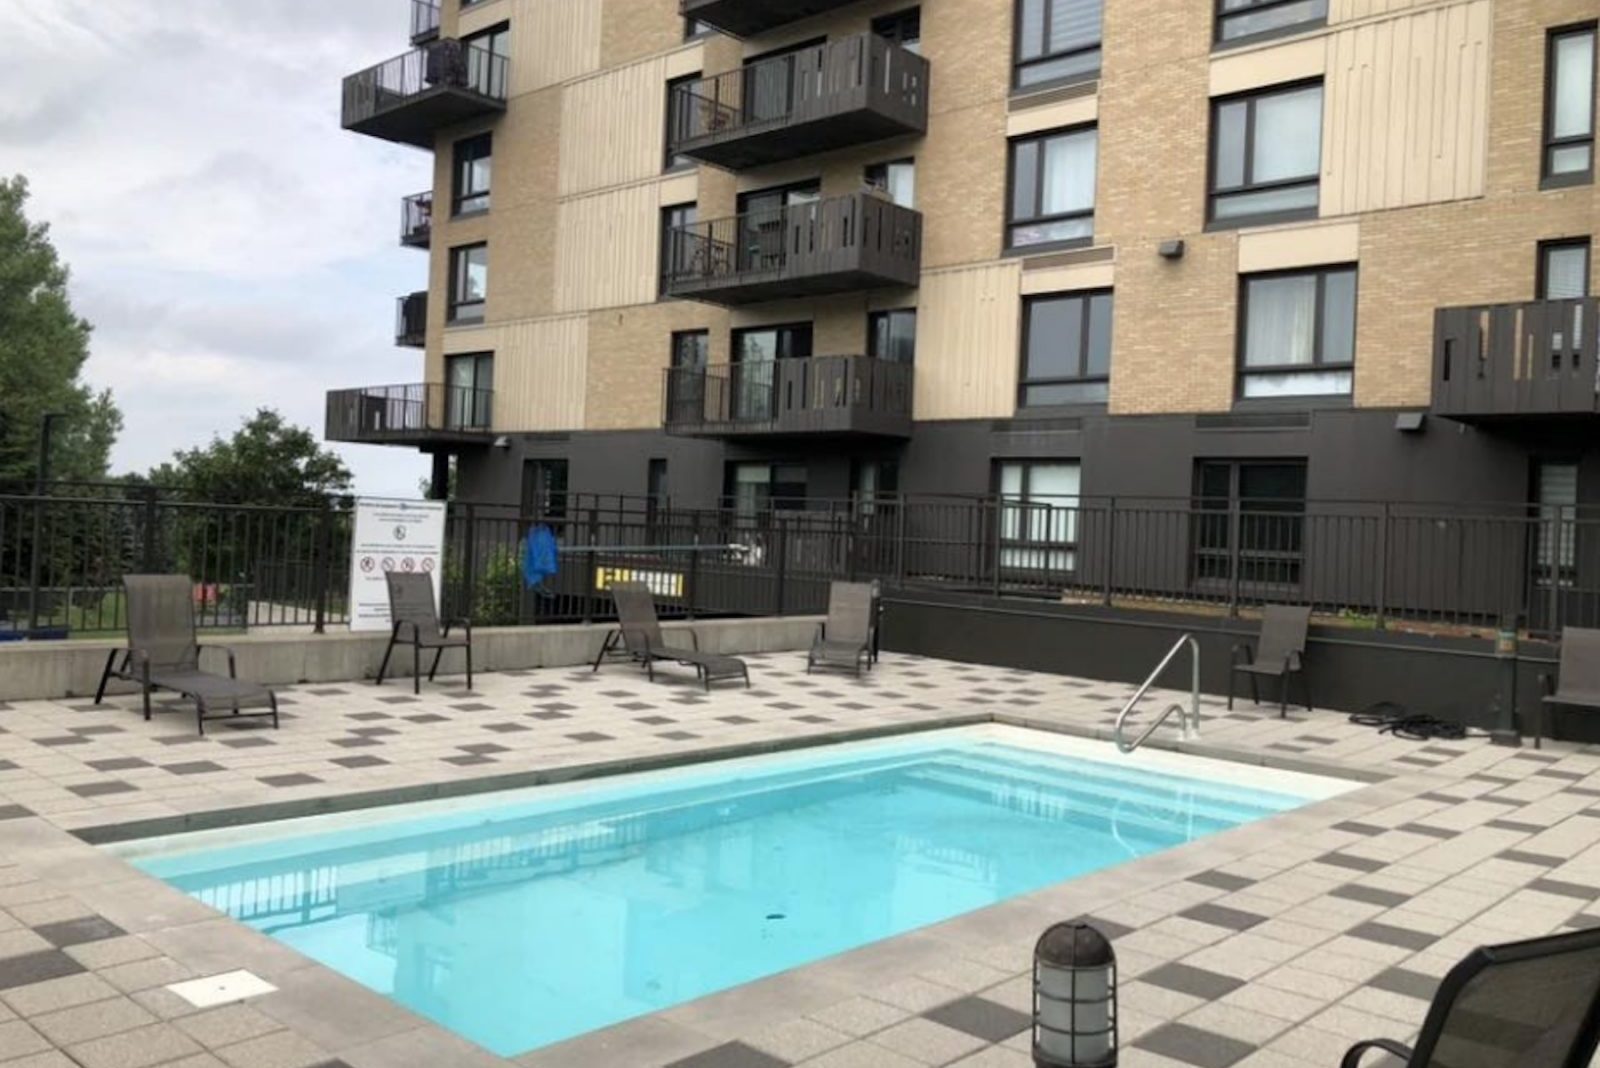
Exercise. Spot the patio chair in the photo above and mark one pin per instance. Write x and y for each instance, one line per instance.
(639, 637)
(1510, 1006)
(845, 640)
(416, 623)
(163, 654)
(1579, 673)
(1280, 652)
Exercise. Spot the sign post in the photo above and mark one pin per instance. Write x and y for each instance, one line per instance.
(389, 536)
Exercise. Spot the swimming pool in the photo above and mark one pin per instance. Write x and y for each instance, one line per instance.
(524, 918)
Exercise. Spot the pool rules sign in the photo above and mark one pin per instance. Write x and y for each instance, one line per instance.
(392, 536)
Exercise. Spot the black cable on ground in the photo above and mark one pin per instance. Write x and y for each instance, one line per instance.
(1392, 718)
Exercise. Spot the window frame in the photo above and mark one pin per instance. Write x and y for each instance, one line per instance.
(695, 29)
(873, 317)
(1542, 267)
(1018, 64)
(1548, 143)
(457, 197)
(896, 22)
(1021, 510)
(670, 163)
(1085, 296)
(1221, 17)
(453, 305)
(884, 186)
(497, 77)
(1317, 364)
(1008, 244)
(1251, 98)
(481, 416)
(1243, 521)
(670, 261)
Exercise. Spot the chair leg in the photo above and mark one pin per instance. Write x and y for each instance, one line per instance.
(605, 648)
(434, 670)
(384, 666)
(416, 668)
(1283, 696)
(1255, 689)
(200, 716)
(1305, 688)
(105, 677)
(272, 699)
(1233, 677)
(147, 702)
(468, 649)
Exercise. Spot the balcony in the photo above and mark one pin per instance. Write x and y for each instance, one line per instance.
(746, 18)
(423, 413)
(410, 98)
(817, 395)
(416, 220)
(848, 92)
(424, 21)
(1503, 362)
(860, 241)
(411, 321)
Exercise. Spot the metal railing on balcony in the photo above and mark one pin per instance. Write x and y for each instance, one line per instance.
(1499, 361)
(412, 413)
(826, 246)
(416, 220)
(409, 97)
(424, 21)
(846, 92)
(411, 320)
(813, 395)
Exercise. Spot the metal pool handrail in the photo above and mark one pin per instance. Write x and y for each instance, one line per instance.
(1189, 720)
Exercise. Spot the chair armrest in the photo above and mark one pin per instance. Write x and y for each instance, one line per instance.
(233, 671)
(1547, 682)
(1352, 1057)
(1240, 647)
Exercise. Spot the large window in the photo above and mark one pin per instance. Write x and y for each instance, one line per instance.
(1298, 333)
(681, 115)
(470, 186)
(1569, 106)
(677, 241)
(753, 488)
(1249, 521)
(1066, 349)
(904, 28)
(470, 394)
(1057, 41)
(488, 60)
(896, 180)
(1564, 269)
(892, 335)
(756, 352)
(1248, 20)
(1052, 190)
(469, 283)
(544, 488)
(1266, 155)
(686, 382)
(1555, 488)
(1038, 515)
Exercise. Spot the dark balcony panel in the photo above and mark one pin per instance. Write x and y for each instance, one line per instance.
(860, 241)
(420, 413)
(848, 92)
(416, 220)
(815, 396)
(424, 21)
(410, 98)
(1503, 362)
(411, 321)
(746, 18)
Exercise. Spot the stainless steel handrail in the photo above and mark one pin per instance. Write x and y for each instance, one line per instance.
(1189, 720)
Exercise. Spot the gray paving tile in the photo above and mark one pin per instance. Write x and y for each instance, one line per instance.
(730, 1055)
(102, 789)
(363, 761)
(982, 1018)
(31, 968)
(1345, 860)
(194, 767)
(1405, 981)
(1565, 889)
(1389, 935)
(1366, 830)
(14, 812)
(1369, 895)
(1514, 825)
(1521, 856)
(1428, 831)
(1220, 880)
(1222, 916)
(1196, 982)
(297, 779)
(119, 764)
(1190, 1045)
(77, 932)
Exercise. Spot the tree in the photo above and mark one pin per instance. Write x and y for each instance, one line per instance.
(43, 346)
(267, 461)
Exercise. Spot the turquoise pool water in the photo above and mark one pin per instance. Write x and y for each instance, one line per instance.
(523, 920)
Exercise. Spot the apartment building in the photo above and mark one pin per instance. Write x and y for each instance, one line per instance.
(810, 249)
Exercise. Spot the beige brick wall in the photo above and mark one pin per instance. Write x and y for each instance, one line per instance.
(629, 348)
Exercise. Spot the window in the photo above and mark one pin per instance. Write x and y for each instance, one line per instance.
(655, 479)
(686, 381)
(469, 392)
(544, 489)
(469, 283)
(1248, 20)
(754, 374)
(1569, 106)
(763, 222)
(753, 488)
(1038, 515)
(681, 114)
(1057, 41)
(1564, 269)
(1066, 349)
(1555, 487)
(1298, 333)
(1266, 155)
(1249, 521)
(693, 28)
(897, 180)
(1052, 190)
(488, 60)
(470, 192)
(873, 480)
(892, 335)
(677, 242)
(904, 28)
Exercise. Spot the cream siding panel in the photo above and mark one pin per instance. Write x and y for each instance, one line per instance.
(552, 41)
(1405, 112)
(612, 128)
(1283, 248)
(1078, 111)
(967, 329)
(606, 249)
(1238, 72)
(1075, 276)
(540, 370)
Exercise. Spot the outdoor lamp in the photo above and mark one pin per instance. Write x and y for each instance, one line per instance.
(1074, 998)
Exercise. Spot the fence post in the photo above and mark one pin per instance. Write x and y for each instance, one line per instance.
(691, 583)
(150, 519)
(999, 537)
(1381, 608)
(591, 563)
(900, 541)
(1557, 545)
(1111, 549)
(34, 563)
(1235, 555)
(780, 544)
(322, 563)
(469, 560)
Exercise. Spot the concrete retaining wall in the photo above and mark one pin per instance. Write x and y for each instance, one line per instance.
(32, 670)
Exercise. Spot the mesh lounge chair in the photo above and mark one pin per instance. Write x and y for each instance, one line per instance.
(639, 635)
(1527, 1004)
(1579, 676)
(416, 623)
(1280, 652)
(163, 654)
(845, 640)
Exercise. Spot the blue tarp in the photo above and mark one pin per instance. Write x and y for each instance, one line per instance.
(539, 555)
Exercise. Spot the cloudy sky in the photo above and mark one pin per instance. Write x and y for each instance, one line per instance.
(231, 245)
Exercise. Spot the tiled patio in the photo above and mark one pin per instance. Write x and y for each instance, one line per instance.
(1273, 945)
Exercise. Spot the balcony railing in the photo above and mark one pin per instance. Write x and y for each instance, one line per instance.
(424, 21)
(411, 414)
(409, 98)
(847, 92)
(813, 395)
(411, 320)
(1503, 361)
(416, 220)
(745, 18)
(860, 241)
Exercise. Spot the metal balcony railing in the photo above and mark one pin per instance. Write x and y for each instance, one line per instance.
(409, 98)
(413, 413)
(1501, 361)
(810, 395)
(411, 320)
(416, 220)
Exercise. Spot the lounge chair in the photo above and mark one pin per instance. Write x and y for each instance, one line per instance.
(415, 616)
(1280, 652)
(1533, 1004)
(845, 640)
(639, 637)
(1579, 677)
(163, 654)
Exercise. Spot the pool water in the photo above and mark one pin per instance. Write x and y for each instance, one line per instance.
(523, 919)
